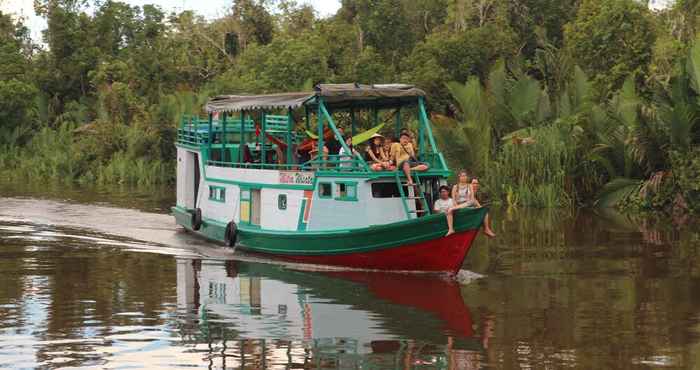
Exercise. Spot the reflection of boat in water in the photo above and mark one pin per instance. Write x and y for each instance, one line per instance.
(329, 313)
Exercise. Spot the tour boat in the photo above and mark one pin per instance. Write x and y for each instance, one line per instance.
(251, 175)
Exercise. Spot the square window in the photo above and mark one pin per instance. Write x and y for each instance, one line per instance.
(324, 190)
(282, 202)
(346, 191)
(217, 194)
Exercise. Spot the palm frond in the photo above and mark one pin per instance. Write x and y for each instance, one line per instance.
(616, 190)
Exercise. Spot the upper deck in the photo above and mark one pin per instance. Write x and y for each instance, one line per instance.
(281, 131)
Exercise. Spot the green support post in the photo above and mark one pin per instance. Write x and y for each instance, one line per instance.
(421, 132)
(242, 139)
(353, 122)
(398, 122)
(223, 137)
(308, 118)
(338, 136)
(209, 134)
(263, 152)
(375, 116)
(319, 118)
(290, 124)
(423, 119)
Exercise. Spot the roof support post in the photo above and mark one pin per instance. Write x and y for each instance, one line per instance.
(263, 152)
(290, 121)
(353, 122)
(319, 119)
(397, 125)
(223, 137)
(210, 134)
(339, 137)
(423, 119)
(421, 138)
(375, 116)
(241, 142)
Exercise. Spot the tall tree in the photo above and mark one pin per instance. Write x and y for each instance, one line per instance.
(611, 40)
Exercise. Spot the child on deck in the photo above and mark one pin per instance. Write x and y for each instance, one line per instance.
(443, 204)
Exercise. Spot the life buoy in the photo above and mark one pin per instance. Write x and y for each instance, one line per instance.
(231, 234)
(197, 219)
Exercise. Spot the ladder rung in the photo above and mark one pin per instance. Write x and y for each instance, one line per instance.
(413, 198)
(407, 184)
(417, 211)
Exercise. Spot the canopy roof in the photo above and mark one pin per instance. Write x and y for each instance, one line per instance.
(334, 96)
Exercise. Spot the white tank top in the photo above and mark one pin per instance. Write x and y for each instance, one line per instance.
(462, 194)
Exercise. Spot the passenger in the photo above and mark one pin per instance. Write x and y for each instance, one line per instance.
(403, 154)
(387, 145)
(472, 202)
(343, 157)
(443, 204)
(377, 156)
(314, 151)
(460, 191)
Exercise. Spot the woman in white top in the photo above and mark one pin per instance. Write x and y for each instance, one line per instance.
(460, 191)
(345, 158)
(471, 202)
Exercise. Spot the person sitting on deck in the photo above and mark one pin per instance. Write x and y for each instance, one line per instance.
(444, 203)
(460, 191)
(345, 159)
(313, 153)
(471, 202)
(403, 154)
(377, 156)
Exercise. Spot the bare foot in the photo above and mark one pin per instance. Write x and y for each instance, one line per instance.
(449, 232)
(490, 233)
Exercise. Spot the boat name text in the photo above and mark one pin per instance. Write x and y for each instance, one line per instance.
(296, 177)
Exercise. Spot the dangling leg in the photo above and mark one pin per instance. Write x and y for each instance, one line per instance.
(407, 171)
(487, 227)
(450, 222)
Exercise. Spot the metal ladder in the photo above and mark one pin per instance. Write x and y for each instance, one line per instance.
(412, 196)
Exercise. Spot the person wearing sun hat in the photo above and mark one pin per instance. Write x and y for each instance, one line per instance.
(377, 156)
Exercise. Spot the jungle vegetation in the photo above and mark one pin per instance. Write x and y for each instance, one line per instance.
(553, 103)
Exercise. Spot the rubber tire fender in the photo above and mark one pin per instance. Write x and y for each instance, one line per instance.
(231, 234)
(197, 219)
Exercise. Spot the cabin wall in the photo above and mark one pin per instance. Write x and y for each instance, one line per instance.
(185, 178)
(271, 216)
(330, 213)
(220, 211)
(274, 218)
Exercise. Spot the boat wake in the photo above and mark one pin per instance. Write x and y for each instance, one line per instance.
(467, 277)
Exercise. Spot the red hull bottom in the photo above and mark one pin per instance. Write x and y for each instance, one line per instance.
(438, 255)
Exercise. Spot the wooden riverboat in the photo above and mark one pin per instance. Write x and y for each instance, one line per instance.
(240, 181)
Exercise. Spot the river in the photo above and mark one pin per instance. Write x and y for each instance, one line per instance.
(104, 279)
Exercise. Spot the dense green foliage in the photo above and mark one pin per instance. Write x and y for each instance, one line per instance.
(551, 102)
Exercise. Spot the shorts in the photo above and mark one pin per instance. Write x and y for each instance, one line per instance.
(412, 163)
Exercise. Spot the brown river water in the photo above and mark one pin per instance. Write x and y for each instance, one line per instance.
(102, 278)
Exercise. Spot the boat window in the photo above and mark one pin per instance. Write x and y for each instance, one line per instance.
(325, 190)
(385, 190)
(282, 202)
(346, 191)
(217, 194)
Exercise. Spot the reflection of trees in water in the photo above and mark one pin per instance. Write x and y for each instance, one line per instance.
(333, 353)
(589, 290)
